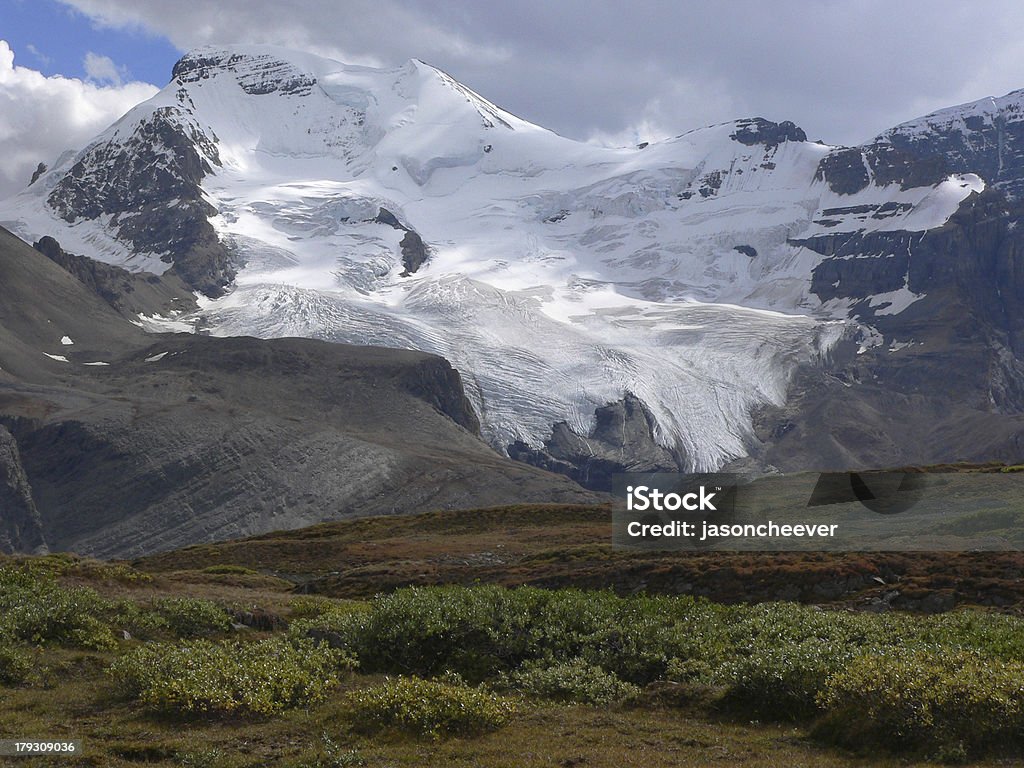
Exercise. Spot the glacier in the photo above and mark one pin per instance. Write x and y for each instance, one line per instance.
(560, 275)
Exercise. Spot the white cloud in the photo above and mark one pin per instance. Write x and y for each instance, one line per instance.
(102, 69)
(843, 71)
(41, 116)
(326, 27)
(40, 56)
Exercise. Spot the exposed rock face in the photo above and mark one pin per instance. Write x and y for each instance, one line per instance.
(414, 250)
(435, 382)
(936, 375)
(259, 75)
(387, 218)
(622, 440)
(870, 412)
(148, 184)
(975, 260)
(225, 437)
(952, 356)
(986, 138)
(20, 526)
(39, 171)
(757, 130)
(845, 171)
(130, 293)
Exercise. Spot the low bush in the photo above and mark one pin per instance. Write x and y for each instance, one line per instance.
(572, 681)
(774, 624)
(34, 608)
(429, 707)
(481, 632)
(428, 631)
(772, 660)
(994, 634)
(230, 570)
(934, 701)
(139, 621)
(192, 617)
(15, 663)
(781, 682)
(326, 615)
(310, 606)
(67, 564)
(255, 678)
(643, 635)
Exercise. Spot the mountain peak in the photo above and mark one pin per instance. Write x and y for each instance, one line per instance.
(969, 116)
(757, 130)
(258, 69)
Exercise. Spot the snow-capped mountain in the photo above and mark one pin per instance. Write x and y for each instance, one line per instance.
(697, 276)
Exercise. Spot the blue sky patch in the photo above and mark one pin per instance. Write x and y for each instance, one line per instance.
(55, 39)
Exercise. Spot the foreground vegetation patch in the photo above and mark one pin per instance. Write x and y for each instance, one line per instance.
(228, 678)
(779, 661)
(430, 707)
(464, 661)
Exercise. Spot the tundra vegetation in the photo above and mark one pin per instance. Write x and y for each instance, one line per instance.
(145, 669)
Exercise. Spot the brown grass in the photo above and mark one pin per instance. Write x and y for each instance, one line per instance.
(562, 546)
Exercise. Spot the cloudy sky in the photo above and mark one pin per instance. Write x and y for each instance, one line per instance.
(595, 70)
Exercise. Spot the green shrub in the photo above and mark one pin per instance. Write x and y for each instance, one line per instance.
(782, 682)
(225, 569)
(15, 663)
(572, 681)
(780, 655)
(123, 573)
(34, 608)
(65, 564)
(481, 632)
(322, 613)
(415, 631)
(994, 634)
(695, 669)
(53, 564)
(772, 659)
(97, 569)
(201, 676)
(310, 606)
(203, 758)
(429, 707)
(141, 622)
(327, 752)
(773, 624)
(192, 617)
(644, 634)
(943, 702)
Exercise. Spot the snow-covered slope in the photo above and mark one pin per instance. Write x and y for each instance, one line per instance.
(398, 207)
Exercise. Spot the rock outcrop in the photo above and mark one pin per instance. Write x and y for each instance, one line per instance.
(130, 293)
(622, 440)
(148, 184)
(21, 529)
